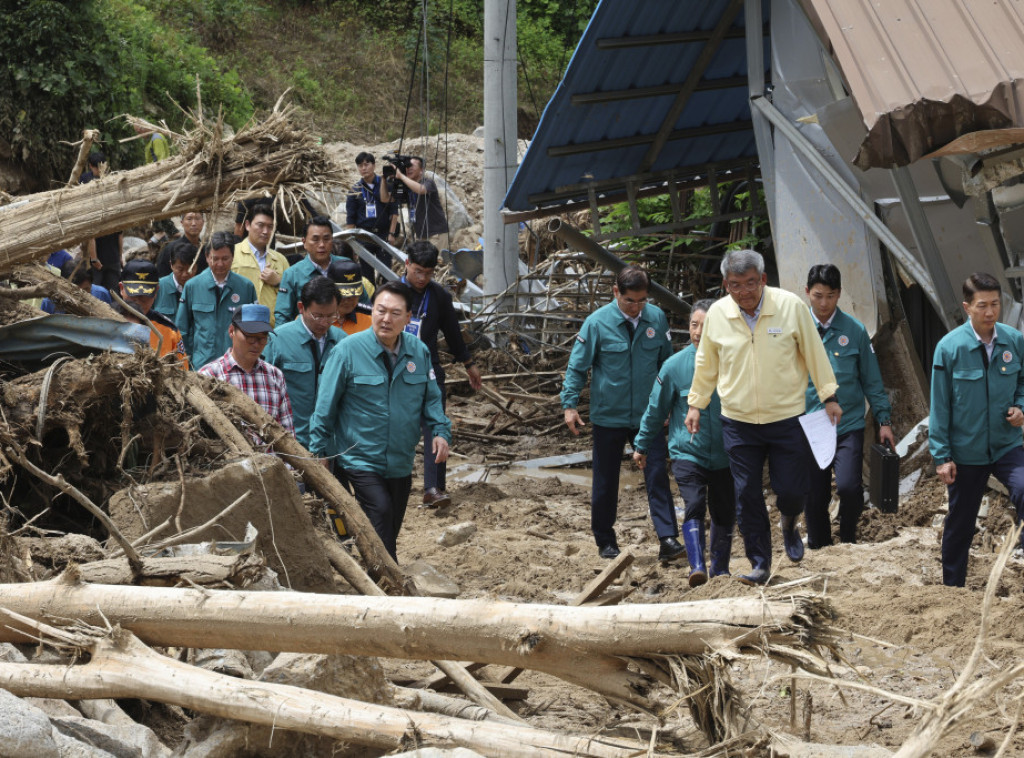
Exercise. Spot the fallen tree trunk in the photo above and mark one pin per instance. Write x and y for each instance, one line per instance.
(65, 295)
(122, 667)
(239, 570)
(208, 170)
(590, 647)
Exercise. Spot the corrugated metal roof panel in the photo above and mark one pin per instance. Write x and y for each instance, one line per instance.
(713, 128)
(924, 72)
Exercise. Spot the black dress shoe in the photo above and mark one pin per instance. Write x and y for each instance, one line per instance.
(608, 551)
(670, 549)
(434, 498)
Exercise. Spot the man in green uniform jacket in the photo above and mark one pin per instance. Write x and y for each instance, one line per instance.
(301, 347)
(375, 386)
(856, 368)
(974, 429)
(622, 345)
(318, 240)
(699, 462)
(208, 302)
(182, 254)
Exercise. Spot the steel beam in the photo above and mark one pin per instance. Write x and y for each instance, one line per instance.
(662, 90)
(756, 86)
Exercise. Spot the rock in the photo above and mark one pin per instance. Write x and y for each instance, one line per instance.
(430, 582)
(10, 654)
(457, 534)
(53, 708)
(479, 132)
(287, 537)
(119, 740)
(71, 748)
(25, 731)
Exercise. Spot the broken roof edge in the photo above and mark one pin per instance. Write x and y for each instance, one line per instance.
(901, 134)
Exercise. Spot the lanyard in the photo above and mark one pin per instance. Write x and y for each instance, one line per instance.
(368, 192)
(424, 303)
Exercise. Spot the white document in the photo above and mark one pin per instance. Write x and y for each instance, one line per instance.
(821, 433)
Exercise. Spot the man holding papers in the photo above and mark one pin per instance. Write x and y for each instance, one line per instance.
(758, 347)
(856, 368)
(974, 429)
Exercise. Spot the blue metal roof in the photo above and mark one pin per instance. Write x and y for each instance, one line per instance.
(575, 148)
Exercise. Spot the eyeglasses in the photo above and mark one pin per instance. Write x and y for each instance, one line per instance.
(321, 317)
(256, 339)
(748, 286)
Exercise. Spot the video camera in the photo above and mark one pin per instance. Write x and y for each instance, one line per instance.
(392, 163)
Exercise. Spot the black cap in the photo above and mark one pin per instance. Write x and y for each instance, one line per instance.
(140, 278)
(348, 276)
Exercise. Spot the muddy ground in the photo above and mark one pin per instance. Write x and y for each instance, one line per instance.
(907, 633)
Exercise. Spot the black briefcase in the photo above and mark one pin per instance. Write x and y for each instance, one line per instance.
(884, 488)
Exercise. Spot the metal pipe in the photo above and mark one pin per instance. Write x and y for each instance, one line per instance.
(612, 262)
(852, 198)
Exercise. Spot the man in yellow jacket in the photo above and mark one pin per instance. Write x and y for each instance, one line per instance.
(256, 260)
(758, 347)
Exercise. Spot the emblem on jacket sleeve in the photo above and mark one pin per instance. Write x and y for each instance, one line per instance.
(843, 340)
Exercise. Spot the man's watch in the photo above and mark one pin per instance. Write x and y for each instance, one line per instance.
(831, 399)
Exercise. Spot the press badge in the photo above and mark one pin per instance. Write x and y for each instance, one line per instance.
(371, 210)
(413, 327)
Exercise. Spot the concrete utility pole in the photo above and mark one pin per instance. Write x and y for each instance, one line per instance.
(501, 248)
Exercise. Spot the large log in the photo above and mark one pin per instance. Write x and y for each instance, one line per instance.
(590, 647)
(208, 170)
(122, 667)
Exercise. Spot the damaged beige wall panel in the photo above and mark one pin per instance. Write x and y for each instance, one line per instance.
(122, 667)
(209, 169)
(586, 646)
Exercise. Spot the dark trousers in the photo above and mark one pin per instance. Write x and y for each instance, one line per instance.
(705, 490)
(849, 467)
(384, 502)
(965, 495)
(608, 444)
(433, 473)
(790, 459)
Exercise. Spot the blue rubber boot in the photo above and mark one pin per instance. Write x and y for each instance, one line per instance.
(759, 552)
(721, 549)
(693, 537)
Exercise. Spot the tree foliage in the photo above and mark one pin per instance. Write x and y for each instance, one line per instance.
(72, 65)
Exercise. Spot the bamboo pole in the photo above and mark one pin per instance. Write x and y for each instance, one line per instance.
(586, 646)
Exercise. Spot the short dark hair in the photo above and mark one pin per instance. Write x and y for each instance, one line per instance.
(827, 274)
(76, 270)
(219, 240)
(420, 159)
(365, 156)
(633, 278)
(980, 282)
(402, 290)
(181, 251)
(342, 248)
(423, 253)
(319, 290)
(260, 209)
(317, 221)
(96, 158)
(702, 305)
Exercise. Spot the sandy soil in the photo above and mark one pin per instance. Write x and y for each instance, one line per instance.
(906, 633)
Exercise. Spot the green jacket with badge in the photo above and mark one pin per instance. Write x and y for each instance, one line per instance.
(294, 350)
(204, 314)
(668, 400)
(369, 416)
(622, 370)
(292, 282)
(972, 395)
(856, 368)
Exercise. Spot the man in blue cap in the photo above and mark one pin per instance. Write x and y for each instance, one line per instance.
(242, 366)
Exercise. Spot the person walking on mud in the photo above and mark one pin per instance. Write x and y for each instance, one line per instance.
(699, 462)
(622, 345)
(974, 428)
(758, 347)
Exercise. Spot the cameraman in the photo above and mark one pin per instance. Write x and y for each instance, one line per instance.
(425, 211)
(368, 206)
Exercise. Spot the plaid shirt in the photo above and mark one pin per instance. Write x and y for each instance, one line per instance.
(265, 385)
